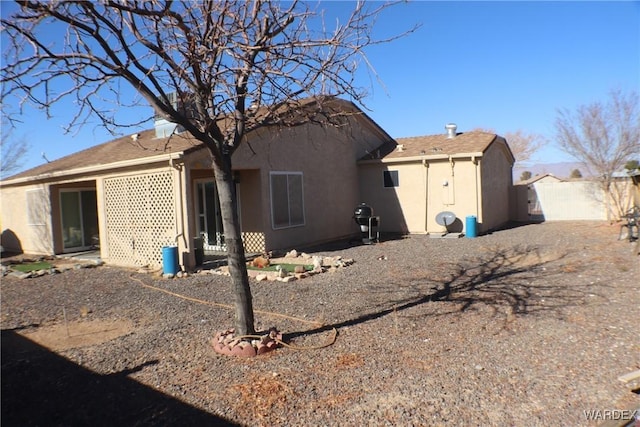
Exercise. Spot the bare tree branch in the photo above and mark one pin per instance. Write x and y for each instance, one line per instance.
(218, 69)
(603, 136)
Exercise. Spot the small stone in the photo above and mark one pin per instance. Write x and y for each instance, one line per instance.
(261, 277)
(168, 276)
(299, 269)
(479, 368)
(317, 262)
(20, 274)
(292, 254)
(281, 272)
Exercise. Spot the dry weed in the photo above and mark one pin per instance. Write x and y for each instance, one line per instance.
(265, 396)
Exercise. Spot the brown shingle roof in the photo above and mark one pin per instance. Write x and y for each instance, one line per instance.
(121, 149)
(147, 145)
(468, 142)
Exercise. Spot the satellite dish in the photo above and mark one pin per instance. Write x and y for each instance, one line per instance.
(445, 218)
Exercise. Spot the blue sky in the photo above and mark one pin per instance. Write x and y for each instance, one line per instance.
(505, 65)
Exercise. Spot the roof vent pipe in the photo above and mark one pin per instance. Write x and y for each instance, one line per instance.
(451, 130)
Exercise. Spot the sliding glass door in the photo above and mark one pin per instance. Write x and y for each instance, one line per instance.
(79, 217)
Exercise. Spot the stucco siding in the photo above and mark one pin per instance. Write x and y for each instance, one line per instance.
(26, 219)
(452, 187)
(325, 158)
(496, 188)
(401, 209)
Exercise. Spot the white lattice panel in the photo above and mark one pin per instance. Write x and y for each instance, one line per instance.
(140, 216)
(253, 242)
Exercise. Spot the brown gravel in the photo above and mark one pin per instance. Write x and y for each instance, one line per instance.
(529, 326)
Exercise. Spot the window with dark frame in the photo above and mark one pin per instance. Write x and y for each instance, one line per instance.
(390, 179)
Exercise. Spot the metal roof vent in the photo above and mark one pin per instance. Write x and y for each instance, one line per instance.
(451, 130)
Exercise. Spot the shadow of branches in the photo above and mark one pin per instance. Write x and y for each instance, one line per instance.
(515, 281)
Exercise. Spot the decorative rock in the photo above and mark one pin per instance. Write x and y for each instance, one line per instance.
(317, 263)
(261, 277)
(225, 343)
(298, 269)
(168, 276)
(281, 272)
(291, 254)
(328, 261)
(20, 274)
(287, 279)
(243, 349)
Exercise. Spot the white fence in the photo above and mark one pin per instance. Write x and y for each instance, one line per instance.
(575, 200)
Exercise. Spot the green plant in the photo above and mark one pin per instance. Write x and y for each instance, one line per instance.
(32, 266)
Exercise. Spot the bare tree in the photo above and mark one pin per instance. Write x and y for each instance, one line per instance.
(522, 144)
(13, 153)
(603, 136)
(234, 66)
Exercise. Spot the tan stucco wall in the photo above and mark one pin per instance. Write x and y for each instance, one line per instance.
(413, 205)
(401, 209)
(17, 233)
(459, 195)
(497, 185)
(47, 239)
(476, 185)
(327, 159)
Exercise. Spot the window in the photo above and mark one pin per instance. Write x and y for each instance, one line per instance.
(287, 199)
(390, 179)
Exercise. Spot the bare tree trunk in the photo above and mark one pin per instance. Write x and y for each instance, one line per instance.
(244, 322)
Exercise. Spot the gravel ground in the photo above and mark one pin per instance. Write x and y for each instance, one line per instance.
(529, 326)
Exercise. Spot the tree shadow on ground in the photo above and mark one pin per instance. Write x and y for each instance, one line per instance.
(516, 281)
(41, 388)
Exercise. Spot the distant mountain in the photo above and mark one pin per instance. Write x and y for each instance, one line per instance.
(561, 170)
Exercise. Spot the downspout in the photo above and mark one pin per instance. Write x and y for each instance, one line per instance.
(452, 185)
(425, 164)
(179, 231)
(474, 160)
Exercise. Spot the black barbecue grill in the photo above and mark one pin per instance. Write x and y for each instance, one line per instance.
(369, 224)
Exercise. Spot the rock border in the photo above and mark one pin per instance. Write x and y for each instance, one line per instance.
(321, 264)
(227, 344)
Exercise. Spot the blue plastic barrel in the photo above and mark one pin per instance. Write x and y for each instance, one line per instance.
(471, 229)
(170, 260)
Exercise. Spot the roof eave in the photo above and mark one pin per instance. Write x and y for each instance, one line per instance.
(412, 159)
(93, 168)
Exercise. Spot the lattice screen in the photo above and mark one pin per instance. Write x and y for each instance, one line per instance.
(141, 218)
(253, 242)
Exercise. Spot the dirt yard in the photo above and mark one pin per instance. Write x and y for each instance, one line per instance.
(529, 326)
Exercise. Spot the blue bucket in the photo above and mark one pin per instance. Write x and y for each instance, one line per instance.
(471, 225)
(170, 260)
